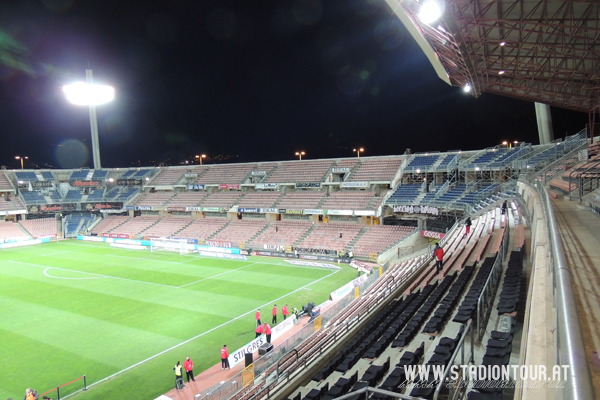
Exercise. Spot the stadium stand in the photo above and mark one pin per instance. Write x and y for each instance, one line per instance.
(422, 162)
(40, 227)
(259, 200)
(191, 199)
(4, 182)
(47, 175)
(109, 223)
(80, 175)
(136, 226)
(302, 200)
(126, 194)
(26, 176)
(11, 230)
(153, 199)
(73, 196)
(76, 223)
(405, 194)
(281, 233)
(167, 227)
(379, 238)
(239, 231)
(96, 195)
(335, 236)
(226, 174)
(375, 170)
(99, 174)
(221, 199)
(32, 197)
(352, 200)
(167, 176)
(300, 171)
(202, 229)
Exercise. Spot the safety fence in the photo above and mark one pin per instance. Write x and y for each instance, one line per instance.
(57, 389)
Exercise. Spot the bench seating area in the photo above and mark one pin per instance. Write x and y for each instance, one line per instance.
(201, 229)
(379, 237)
(327, 236)
(190, 199)
(40, 227)
(136, 226)
(563, 187)
(302, 200)
(153, 199)
(109, 223)
(239, 231)
(167, 227)
(300, 171)
(167, 176)
(4, 182)
(10, 230)
(377, 170)
(281, 233)
(221, 199)
(351, 200)
(226, 174)
(259, 200)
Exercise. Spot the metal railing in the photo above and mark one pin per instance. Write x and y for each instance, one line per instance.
(570, 345)
(460, 346)
(488, 293)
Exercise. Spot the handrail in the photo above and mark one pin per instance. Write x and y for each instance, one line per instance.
(278, 361)
(581, 173)
(459, 346)
(570, 339)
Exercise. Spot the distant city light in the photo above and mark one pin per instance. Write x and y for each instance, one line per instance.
(502, 43)
(431, 11)
(467, 88)
(82, 94)
(501, 72)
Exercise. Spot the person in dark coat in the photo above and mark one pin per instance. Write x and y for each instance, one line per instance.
(467, 226)
(504, 207)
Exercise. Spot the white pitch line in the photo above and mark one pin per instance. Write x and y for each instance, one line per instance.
(200, 335)
(60, 277)
(93, 273)
(214, 276)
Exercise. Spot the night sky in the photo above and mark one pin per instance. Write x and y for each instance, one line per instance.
(238, 80)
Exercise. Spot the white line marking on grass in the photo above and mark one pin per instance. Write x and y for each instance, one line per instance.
(93, 273)
(60, 277)
(214, 276)
(42, 255)
(200, 335)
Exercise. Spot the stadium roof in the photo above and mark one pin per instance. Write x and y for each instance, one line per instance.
(540, 50)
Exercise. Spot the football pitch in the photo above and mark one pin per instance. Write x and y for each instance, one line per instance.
(125, 317)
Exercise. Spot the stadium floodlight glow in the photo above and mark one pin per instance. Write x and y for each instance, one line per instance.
(501, 72)
(201, 157)
(358, 151)
(300, 154)
(431, 11)
(21, 158)
(91, 95)
(83, 94)
(502, 43)
(418, 170)
(467, 88)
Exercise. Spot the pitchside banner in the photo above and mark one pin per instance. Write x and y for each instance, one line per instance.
(347, 288)
(361, 266)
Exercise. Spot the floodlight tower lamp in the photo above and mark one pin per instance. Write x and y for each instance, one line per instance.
(431, 11)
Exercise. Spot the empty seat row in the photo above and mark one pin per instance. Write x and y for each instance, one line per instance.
(511, 285)
(469, 304)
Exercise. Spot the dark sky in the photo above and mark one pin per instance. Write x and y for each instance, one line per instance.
(253, 80)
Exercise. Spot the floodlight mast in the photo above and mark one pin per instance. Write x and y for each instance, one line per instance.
(89, 78)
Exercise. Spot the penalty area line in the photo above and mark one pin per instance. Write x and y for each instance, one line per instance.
(198, 336)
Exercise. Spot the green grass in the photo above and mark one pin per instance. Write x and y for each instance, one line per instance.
(74, 308)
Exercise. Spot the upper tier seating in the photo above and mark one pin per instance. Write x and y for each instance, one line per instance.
(99, 174)
(221, 199)
(26, 176)
(126, 194)
(201, 229)
(301, 200)
(96, 195)
(167, 177)
(10, 230)
(281, 233)
(446, 161)
(240, 231)
(300, 171)
(4, 183)
(13, 204)
(109, 223)
(74, 196)
(327, 236)
(226, 174)
(153, 199)
(485, 158)
(135, 226)
(377, 170)
(453, 193)
(423, 162)
(79, 175)
(167, 227)
(259, 200)
(350, 200)
(191, 199)
(32, 197)
(40, 227)
(405, 194)
(47, 175)
(379, 237)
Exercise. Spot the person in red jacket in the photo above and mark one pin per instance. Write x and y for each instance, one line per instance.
(189, 365)
(274, 321)
(224, 359)
(267, 330)
(257, 316)
(258, 331)
(439, 257)
(285, 312)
